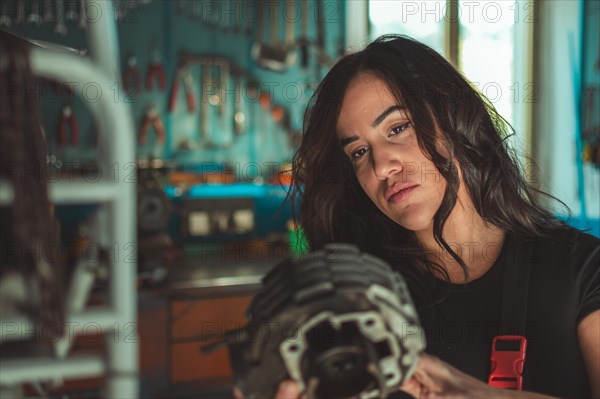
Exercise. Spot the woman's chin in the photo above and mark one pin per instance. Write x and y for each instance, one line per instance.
(414, 222)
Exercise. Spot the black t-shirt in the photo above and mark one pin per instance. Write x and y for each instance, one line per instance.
(564, 287)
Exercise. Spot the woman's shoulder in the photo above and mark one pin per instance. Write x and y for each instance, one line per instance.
(568, 237)
(578, 247)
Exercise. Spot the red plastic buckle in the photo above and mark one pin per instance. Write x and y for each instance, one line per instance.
(508, 358)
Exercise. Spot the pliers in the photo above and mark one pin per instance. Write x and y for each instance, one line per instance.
(156, 69)
(131, 77)
(67, 118)
(183, 75)
(152, 119)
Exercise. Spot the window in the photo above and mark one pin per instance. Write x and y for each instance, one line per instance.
(489, 41)
(423, 21)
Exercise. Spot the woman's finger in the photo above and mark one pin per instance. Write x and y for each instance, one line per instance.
(424, 378)
(237, 393)
(412, 387)
(287, 390)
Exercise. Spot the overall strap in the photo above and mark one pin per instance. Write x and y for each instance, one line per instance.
(510, 370)
(515, 288)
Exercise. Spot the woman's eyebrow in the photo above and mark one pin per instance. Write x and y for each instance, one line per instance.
(377, 121)
(347, 140)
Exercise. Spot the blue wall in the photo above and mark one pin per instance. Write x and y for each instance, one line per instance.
(164, 25)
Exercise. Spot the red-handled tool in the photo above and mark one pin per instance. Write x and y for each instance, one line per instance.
(156, 70)
(264, 100)
(152, 119)
(67, 119)
(132, 79)
(508, 359)
(183, 76)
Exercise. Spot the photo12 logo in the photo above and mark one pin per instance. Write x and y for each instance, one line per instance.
(89, 332)
(471, 12)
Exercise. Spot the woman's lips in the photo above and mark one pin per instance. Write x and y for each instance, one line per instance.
(402, 194)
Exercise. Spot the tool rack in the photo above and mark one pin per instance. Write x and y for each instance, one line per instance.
(114, 225)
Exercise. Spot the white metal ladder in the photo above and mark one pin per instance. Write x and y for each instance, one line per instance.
(115, 224)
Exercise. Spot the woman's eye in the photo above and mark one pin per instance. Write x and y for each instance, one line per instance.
(399, 129)
(358, 153)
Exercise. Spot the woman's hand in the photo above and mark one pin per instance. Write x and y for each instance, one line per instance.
(435, 378)
(287, 390)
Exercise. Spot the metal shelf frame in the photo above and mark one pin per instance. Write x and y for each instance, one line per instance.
(115, 225)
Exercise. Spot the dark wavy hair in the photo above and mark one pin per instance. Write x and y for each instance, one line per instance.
(331, 206)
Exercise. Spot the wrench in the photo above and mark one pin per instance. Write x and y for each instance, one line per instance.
(82, 15)
(5, 21)
(20, 18)
(34, 15)
(71, 14)
(60, 28)
(48, 12)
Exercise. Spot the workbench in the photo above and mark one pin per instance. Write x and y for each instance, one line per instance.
(204, 296)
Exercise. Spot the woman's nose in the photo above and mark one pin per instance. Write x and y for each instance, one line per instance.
(385, 162)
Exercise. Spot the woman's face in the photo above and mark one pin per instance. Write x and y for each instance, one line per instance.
(378, 137)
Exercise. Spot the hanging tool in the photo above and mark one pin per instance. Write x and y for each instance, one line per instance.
(342, 31)
(20, 17)
(132, 80)
(183, 76)
(225, 21)
(60, 28)
(264, 100)
(304, 42)
(48, 11)
(275, 56)
(320, 37)
(290, 36)
(156, 70)
(204, 101)
(591, 132)
(82, 24)
(239, 115)
(248, 25)
(281, 118)
(235, 18)
(277, 113)
(223, 82)
(152, 119)
(67, 119)
(323, 58)
(257, 46)
(71, 14)
(5, 20)
(213, 99)
(117, 10)
(34, 15)
(224, 77)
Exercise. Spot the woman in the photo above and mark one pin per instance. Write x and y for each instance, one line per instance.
(402, 157)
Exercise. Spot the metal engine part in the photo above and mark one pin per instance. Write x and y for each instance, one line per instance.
(338, 322)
